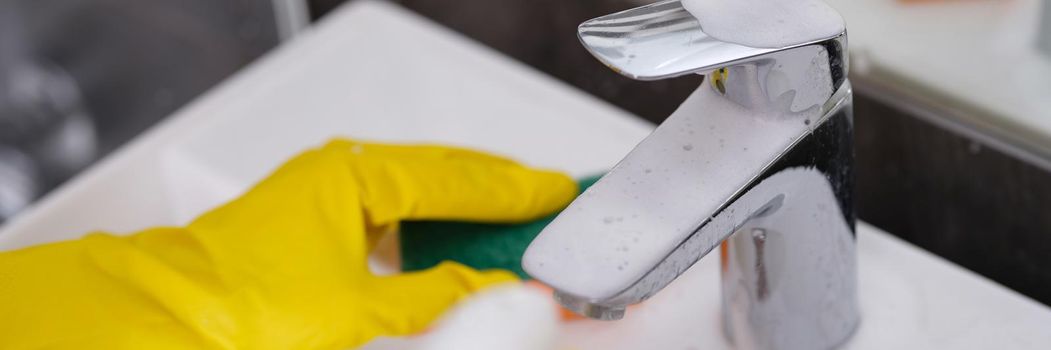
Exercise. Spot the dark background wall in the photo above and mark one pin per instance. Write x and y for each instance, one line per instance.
(136, 61)
(94, 74)
(975, 205)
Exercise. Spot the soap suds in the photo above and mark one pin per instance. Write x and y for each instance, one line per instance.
(766, 23)
(507, 317)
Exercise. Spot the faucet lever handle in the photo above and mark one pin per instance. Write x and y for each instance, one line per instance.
(664, 40)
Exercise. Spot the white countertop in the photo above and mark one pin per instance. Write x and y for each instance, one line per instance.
(375, 71)
(982, 53)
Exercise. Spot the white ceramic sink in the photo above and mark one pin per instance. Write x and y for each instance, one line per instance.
(374, 71)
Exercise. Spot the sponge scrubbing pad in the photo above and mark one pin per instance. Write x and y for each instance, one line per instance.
(482, 246)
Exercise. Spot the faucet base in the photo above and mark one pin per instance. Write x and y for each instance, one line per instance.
(789, 275)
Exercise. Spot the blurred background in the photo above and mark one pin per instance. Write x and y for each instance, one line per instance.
(953, 98)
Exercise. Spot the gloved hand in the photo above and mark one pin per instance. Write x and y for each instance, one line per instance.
(281, 267)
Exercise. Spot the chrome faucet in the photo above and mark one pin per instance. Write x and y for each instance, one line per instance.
(758, 160)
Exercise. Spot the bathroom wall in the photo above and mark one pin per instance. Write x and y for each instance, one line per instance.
(110, 69)
(952, 194)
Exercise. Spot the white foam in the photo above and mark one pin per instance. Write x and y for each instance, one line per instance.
(766, 23)
(512, 317)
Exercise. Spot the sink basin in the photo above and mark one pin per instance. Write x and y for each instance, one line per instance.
(374, 71)
(909, 299)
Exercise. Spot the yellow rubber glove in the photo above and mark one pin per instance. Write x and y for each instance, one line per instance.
(281, 267)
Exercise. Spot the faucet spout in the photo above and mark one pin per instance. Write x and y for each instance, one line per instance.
(758, 160)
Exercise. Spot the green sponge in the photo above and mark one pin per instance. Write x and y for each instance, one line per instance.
(482, 246)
